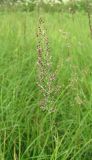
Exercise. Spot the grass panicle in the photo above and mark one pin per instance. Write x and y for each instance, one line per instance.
(46, 75)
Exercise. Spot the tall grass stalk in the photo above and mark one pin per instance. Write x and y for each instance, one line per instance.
(46, 76)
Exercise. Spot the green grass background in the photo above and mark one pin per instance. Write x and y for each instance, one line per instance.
(26, 132)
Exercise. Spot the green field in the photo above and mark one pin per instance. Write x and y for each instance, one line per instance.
(26, 131)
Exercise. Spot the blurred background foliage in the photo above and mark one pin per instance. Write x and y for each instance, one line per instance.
(55, 6)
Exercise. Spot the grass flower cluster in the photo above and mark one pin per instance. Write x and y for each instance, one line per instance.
(46, 76)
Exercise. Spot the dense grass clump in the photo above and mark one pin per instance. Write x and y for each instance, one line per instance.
(26, 131)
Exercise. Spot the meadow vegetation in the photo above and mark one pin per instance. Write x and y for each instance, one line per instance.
(63, 129)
